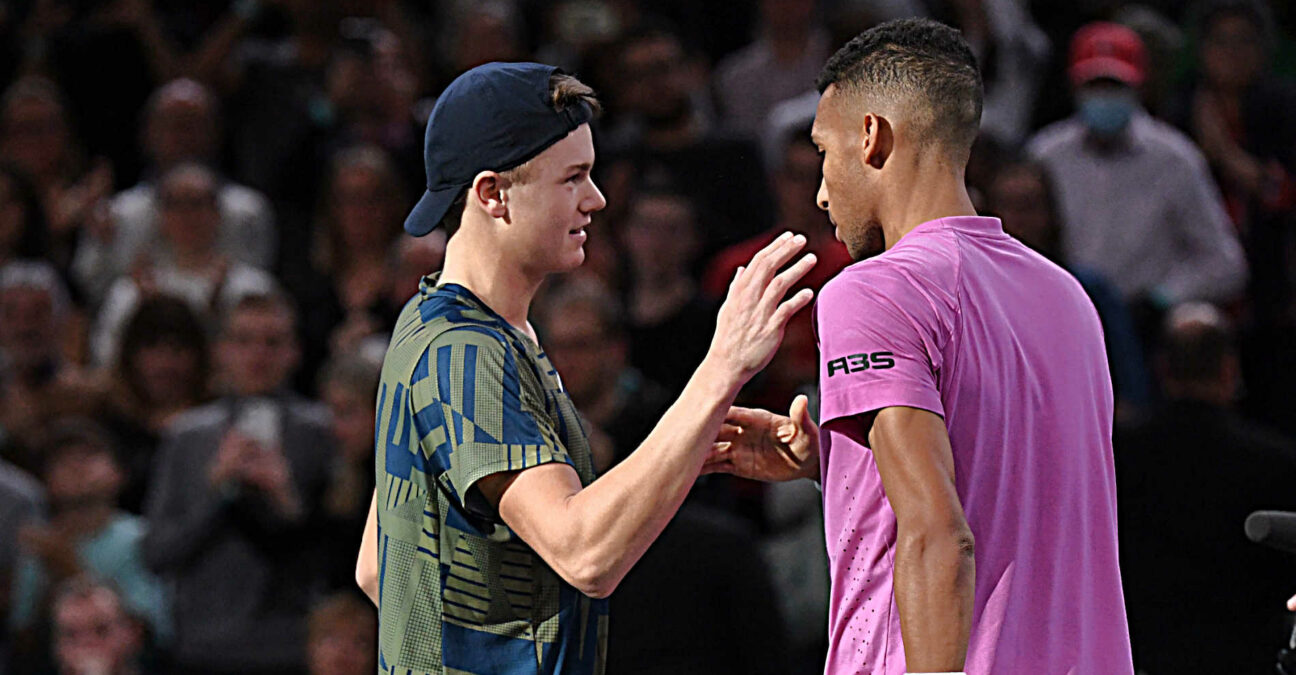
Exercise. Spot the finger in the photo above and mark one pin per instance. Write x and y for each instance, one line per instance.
(729, 433)
(776, 256)
(719, 449)
(721, 466)
(788, 278)
(745, 417)
(1291, 603)
(763, 265)
(793, 305)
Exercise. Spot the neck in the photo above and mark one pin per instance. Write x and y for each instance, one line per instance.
(474, 263)
(943, 195)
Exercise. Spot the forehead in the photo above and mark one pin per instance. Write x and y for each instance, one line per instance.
(828, 115)
(575, 149)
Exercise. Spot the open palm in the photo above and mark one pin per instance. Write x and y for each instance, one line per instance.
(762, 445)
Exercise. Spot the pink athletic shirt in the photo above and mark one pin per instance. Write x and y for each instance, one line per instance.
(960, 319)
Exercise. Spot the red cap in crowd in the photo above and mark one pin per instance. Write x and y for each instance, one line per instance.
(1107, 50)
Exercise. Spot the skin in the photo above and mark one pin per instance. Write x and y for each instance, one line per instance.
(512, 237)
(880, 181)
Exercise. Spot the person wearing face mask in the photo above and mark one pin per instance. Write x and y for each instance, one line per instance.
(1136, 196)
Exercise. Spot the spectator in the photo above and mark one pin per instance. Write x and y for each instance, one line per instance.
(669, 323)
(236, 486)
(585, 337)
(93, 633)
(24, 233)
(782, 63)
(191, 266)
(1137, 202)
(37, 384)
(342, 636)
(86, 533)
(1012, 52)
(667, 134)
(181, 126)
(346, 298)
(796, 182)
(1021, 196)
(22, 502)
(1241, 113)
(1188, 476)
(349, 387)
(413, 258)
(36, 135)
(163, 371)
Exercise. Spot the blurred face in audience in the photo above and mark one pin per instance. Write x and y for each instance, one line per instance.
(258, 351)
(36, 136)
(417, 257)
(796, 183)
(188, 211)
(93, 635)
(353, 418)
(1232, 52)
(166, 370)
(345, 644)
(28, 328)
(181, 126)
(787, 14)
(586, 354)
(653, 80)
(1020, 198)
(363, 209)
(661, 235)
(83, 475)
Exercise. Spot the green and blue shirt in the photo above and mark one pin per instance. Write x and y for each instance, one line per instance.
(465, 395)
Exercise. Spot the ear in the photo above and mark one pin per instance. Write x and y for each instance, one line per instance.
(488, 191)
(876, 141)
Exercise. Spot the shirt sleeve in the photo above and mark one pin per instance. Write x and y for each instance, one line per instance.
(879, 345)
(478, 411)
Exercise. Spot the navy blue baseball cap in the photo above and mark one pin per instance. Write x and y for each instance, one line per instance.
(492, 118)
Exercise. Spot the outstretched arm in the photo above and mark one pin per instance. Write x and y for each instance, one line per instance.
(592, 536)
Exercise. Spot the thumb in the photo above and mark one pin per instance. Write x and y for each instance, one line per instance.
(800, 412)
(1291, 603)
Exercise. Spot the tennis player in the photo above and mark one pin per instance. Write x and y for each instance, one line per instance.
(965, 454)
(494, 547)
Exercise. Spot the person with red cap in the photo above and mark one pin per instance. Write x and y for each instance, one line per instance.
(1136, 196)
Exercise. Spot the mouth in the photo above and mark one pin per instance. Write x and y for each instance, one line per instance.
(578, 232)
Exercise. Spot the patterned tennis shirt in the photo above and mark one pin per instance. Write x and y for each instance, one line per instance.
(465, 395)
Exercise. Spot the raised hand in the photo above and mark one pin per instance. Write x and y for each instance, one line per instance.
(761, 445)
(754, 315)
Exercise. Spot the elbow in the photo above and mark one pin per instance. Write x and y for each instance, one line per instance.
(951, 539)
(366, 577)
(593, 575)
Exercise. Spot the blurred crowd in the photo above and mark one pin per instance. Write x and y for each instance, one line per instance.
(201, 252)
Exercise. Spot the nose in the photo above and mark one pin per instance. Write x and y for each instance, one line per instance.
(821, 199)
(597, 201)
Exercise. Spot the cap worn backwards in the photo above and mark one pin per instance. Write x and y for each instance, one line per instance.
(492, 118)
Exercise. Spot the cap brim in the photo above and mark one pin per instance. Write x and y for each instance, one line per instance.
(431, 209)
(1105, 68)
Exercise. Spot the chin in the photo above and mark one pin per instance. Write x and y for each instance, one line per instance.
(865, 243)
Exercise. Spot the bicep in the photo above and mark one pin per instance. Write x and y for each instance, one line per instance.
(530, 501)
(912, 450)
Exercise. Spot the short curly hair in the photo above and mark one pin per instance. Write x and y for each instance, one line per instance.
(922, 64)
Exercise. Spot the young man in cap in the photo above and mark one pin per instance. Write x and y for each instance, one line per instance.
(494, 545)
(965, 454)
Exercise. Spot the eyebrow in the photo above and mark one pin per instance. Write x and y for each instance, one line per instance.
(584, 166)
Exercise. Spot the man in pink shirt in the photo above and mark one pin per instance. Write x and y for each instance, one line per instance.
(965, 454)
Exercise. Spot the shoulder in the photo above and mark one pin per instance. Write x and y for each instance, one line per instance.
(307, 412)
(203, 418)
(243, 200)
(1059, 136)
(924, 263)
(1168, 142)
(19, 487)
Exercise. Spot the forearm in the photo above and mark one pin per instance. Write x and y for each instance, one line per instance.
(367, 559)
(615, 519)
(934, 582)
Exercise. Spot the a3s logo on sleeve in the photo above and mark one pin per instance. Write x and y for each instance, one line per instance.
(854, 363)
